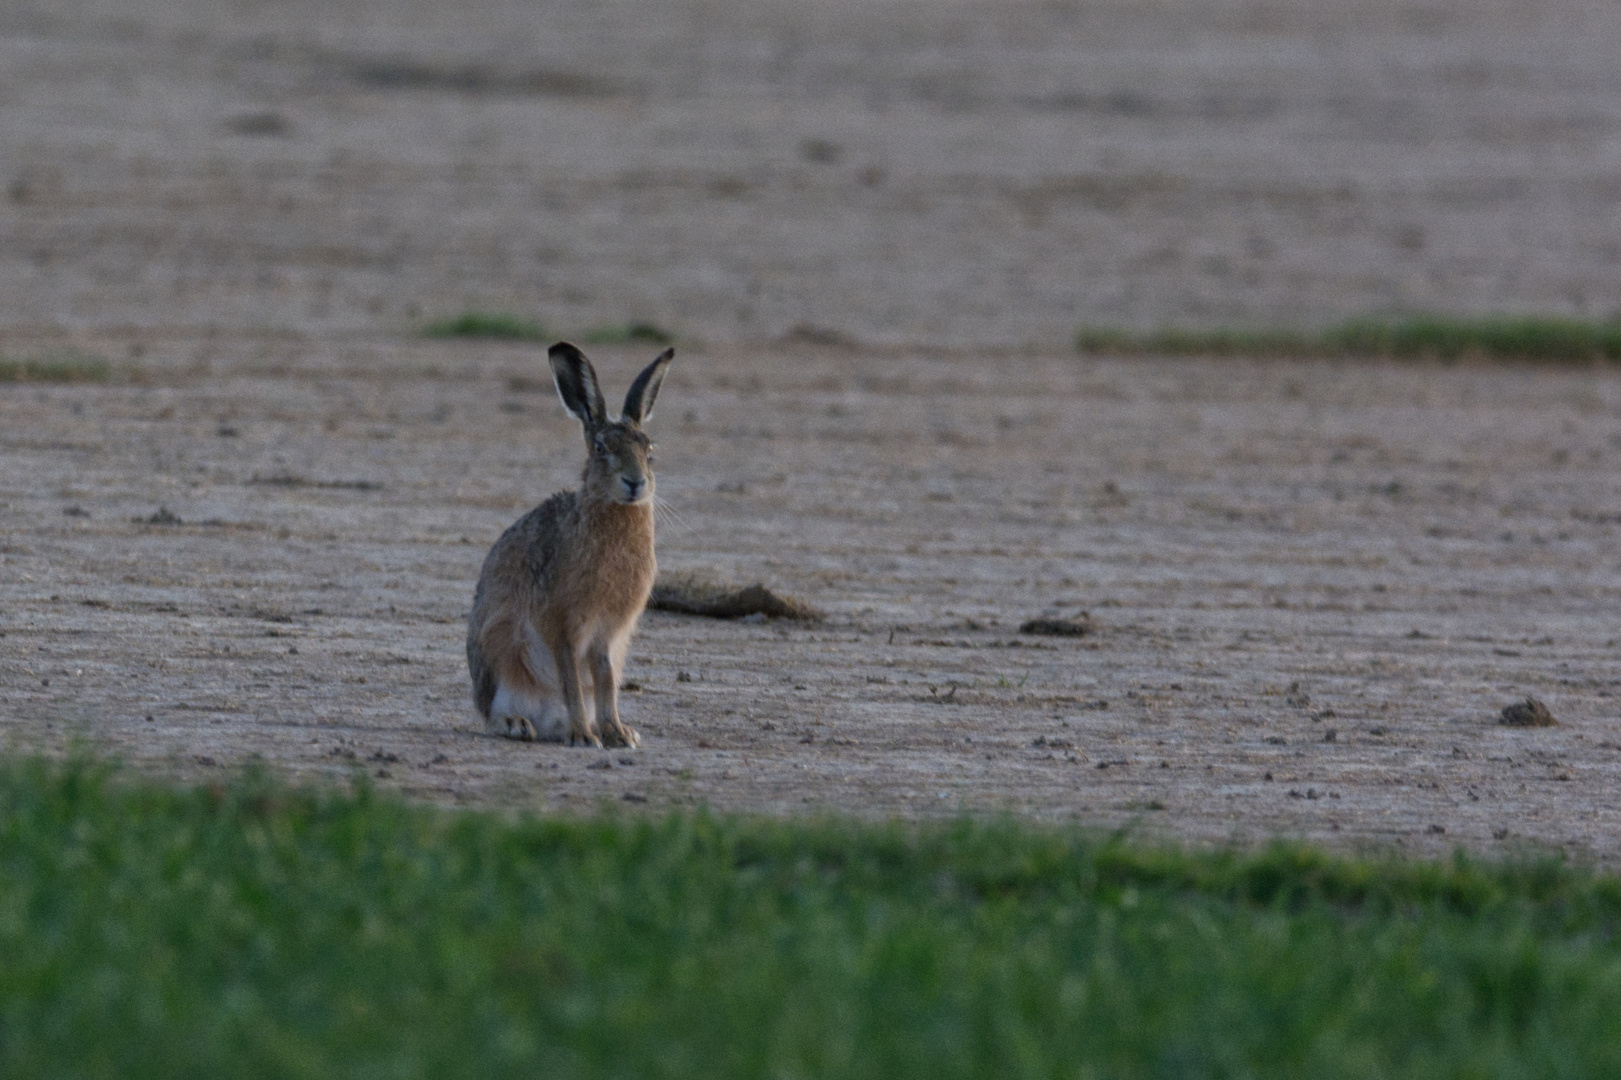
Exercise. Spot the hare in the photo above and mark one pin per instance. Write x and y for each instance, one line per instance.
(562, 589)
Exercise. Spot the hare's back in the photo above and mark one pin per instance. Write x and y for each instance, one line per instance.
(525, 557)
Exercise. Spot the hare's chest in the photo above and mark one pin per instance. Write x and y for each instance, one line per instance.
(614, 580)
(624, 579)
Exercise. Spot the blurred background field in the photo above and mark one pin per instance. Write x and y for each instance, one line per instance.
(903, 173)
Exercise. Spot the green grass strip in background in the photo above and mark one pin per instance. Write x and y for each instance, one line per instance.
(487, 324)
(1507, 338)
(628, 334)
(245, 929)
(503, 325)
(56, 366)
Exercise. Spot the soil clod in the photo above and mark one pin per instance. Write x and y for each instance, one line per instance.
(1076, 627)
(1527, 713)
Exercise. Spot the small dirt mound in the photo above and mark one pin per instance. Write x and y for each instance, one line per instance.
(689, 594)
(163, 516)
(1076, 627)
(1527, 713)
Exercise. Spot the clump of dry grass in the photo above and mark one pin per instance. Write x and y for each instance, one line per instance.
(1052, 627)
(693, 594)
(1527, 713)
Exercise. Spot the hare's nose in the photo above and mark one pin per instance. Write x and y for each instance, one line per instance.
(633, 488)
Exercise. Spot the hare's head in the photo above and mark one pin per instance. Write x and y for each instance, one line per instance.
(619, 462)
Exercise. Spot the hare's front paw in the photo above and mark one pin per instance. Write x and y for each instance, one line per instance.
(622, 735)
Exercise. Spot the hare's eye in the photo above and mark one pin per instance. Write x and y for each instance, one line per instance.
(651, 460)
(601, 446)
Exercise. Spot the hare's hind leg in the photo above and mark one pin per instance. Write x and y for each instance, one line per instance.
(502, 694)
(525, 703)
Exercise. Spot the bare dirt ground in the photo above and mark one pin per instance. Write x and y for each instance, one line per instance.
(874, 228)
(1415, 547)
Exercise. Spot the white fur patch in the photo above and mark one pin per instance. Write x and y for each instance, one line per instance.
(532, 716)
(541, 715)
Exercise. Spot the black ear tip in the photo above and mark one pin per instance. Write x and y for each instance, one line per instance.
(564, 349)
(665, 357)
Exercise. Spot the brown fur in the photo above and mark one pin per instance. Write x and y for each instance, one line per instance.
(571, 577)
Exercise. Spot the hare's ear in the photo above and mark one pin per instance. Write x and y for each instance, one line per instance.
(639, 402)
(577, 385)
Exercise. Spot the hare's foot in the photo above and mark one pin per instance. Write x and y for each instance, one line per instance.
(615, 733)
(525, 714)
(515, 727)
(585, 736)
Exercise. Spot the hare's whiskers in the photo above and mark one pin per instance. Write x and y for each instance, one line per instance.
(677, 521)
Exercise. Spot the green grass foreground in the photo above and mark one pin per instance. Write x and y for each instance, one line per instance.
(1502, 338)
(251, 930)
